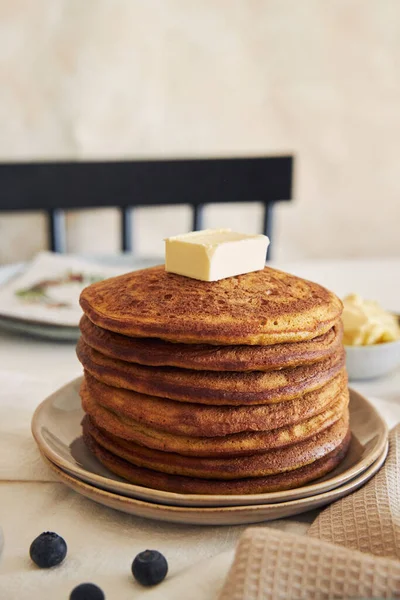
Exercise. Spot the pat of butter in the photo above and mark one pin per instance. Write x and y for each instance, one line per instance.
(214, 254)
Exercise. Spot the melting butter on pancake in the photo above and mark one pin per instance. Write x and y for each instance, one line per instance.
(264, 307)
(195, 485)
(184, 418)
(237, 444)
(206, 357)
(210, 387)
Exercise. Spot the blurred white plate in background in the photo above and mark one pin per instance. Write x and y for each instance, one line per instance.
(41, 298)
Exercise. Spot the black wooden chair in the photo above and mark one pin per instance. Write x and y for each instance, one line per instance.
(55, 187)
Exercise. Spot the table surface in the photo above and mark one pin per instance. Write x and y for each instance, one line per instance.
(102, 542)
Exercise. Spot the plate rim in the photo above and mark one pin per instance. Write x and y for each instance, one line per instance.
(8, 319)
(315, 501)
(101, 482)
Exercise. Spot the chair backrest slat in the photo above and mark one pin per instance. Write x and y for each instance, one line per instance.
(198, 210)
(58, 186)
(267, 221)
(126, 229)
(57, 230)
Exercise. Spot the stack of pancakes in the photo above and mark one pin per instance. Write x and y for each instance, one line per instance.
(231, 387)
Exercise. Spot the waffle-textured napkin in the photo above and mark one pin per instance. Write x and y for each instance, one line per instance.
(352, 550)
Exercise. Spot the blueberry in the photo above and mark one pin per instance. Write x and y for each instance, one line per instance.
(48, 550)
(87, 591)
(149, 567)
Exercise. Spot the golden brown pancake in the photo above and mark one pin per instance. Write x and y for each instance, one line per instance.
(184, 418)
(210, 387)
(237, 444)
(264, 307)
(206, 357)
(188, 485)
(274, 461)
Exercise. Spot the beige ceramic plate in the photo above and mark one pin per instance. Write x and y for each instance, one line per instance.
(57, 431)
(228, 515)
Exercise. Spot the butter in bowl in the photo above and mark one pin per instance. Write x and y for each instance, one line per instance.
(371, 338)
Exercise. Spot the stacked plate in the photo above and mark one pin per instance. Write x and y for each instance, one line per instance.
(56, 427)
(41, 298)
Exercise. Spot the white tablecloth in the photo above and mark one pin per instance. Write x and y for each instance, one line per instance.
(102, 543)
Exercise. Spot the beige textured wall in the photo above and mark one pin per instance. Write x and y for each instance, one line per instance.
(128, 78)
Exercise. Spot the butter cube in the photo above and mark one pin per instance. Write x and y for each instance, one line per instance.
(214, 254)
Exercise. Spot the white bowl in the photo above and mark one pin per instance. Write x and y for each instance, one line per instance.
(367, 362)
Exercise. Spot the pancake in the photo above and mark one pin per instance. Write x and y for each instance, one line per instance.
(264, 307)
(274, 461)
(237, 444)
(205, 357)
(211, 387)
(256, 465)
(184, 418)
(188, 485)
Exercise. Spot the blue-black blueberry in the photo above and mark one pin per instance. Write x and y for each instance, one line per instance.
(87, 591)
(48, 550)
(149, 567)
